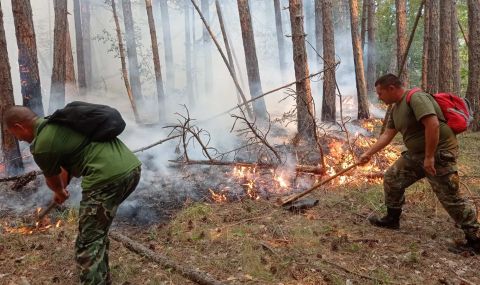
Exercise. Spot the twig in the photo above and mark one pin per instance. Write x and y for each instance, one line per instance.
(155, 144)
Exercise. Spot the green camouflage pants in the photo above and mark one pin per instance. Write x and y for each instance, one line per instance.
(409, 168)
(97, 210)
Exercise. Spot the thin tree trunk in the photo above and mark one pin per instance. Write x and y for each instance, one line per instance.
(305, 108)
(133, 67)
(188, 54)
(259, 108)
(363, 112)
(401, 12)
(455, 51)
(445, 83)
(11, 152)
(59, 71)
(71, 89)
(474, 60)
(363, 29)
(87, 46)
(309, 24)
(433, 47)
(329, 98)
(156, 62)
(372, 48)
(280, 39)
(319, 41)
(207, 63)
(167, 43)
(121, 50)
(426, 40)
(27, 56)
(77, 10)
(227, 47)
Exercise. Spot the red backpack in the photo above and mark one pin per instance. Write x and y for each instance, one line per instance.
(455, 109)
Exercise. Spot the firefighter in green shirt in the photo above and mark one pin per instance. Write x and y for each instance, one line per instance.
(110, 173)
(432, 150)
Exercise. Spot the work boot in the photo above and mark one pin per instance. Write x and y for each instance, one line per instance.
(470, 248)
(390, 221)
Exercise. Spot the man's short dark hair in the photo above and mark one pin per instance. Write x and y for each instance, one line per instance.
(389, 79)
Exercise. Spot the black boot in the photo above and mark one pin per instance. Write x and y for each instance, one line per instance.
(390, 221)
(474, 245)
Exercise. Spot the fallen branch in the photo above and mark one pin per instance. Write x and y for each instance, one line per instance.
(298, 168)
(192, 274)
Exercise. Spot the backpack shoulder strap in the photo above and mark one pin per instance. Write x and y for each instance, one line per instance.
(411, 92)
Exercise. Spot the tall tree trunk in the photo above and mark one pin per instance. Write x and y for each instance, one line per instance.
(259, 108)
(227, 47)
(10, 149)
(426, 40)
(280, 39)
(363, 29)
(455, 51)
(156, 62)
(77, 11)
(363, 112)
(133, 67)
(371, 48)
(207, 64)
(121, 50)
(445, 83)
(71, 89)
(59, 71)
(474, 60)
(329, 98)
(309, 24)
(305, 108)
(319, 40)
(433, 47)
(167, 42)
(87, 46)
(27, 56)
(401, 12)
(188, 54)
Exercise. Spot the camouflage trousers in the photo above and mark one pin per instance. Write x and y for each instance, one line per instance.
(445, 184)
(97, 210)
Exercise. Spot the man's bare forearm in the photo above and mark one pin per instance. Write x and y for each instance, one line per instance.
(432, 134)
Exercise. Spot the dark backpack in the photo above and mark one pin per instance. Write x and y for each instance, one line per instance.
(97, 122)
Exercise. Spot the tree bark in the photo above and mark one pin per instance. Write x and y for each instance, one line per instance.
(445, 83)
(455, 51)
(371, 48)
(71, 89)
(433, 47)
(401, 12)
(77, 11)
(87, 46)
(188, 55)
(133, 67)
(329, 85)
(363, 29)
(363, 112)
(474, 60)
(207, 63)
(11, 152)
(305, 109)
(121, 50)
(426, 40)
(59, 71)
(27, 56)
(319, 42)
(156, 62)
(280, 39)
(254, 82)
(167, 42)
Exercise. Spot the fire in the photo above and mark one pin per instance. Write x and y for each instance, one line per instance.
(40, 226)
(218, 198)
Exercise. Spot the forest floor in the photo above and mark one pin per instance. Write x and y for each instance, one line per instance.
(256, 242)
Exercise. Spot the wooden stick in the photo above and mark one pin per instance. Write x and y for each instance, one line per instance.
(192, 274)
(283, 202)
(45, 211)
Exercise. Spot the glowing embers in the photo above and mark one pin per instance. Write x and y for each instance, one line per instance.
(40, 226)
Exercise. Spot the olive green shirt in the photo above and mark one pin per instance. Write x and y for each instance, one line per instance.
(405, 118)
(56, 146)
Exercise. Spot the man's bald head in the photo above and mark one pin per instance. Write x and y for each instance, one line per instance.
(19, 115)
(20, 121)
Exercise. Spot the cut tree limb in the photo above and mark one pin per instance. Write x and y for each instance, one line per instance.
(192, 274)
